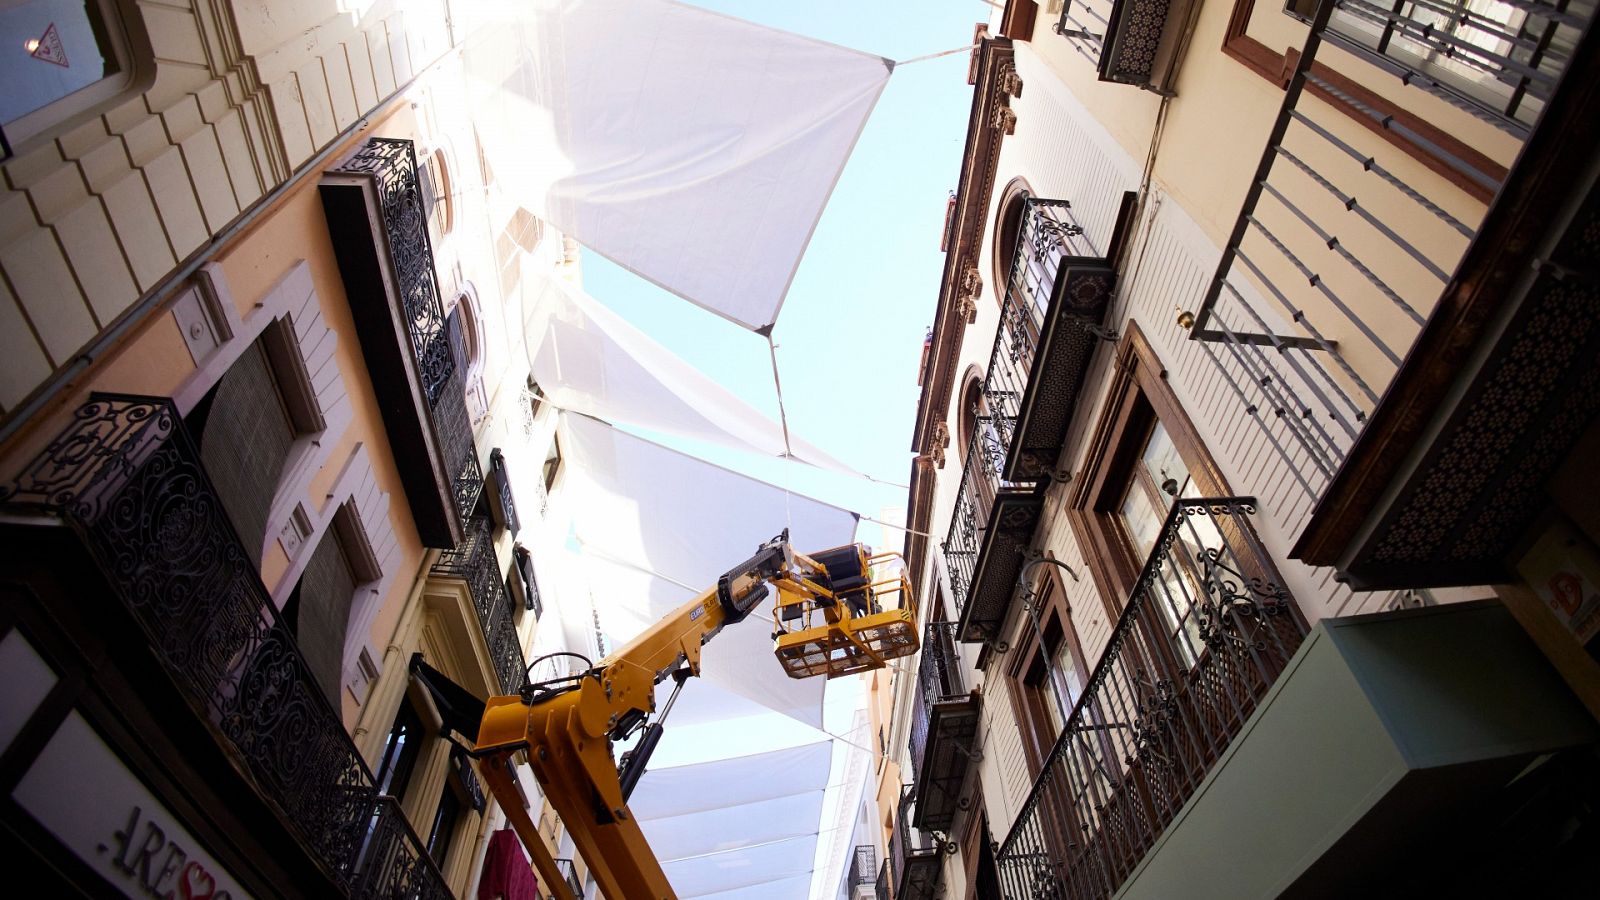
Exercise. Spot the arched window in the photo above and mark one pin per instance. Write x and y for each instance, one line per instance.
(465, 326)
(437, 194)
(970, 410)
(1007, 229)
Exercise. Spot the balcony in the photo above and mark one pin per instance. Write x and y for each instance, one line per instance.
(992, 524)
(944, 730)
(1205, 635)
(1050, 323)
(914, 864)
(1385, 311)
(126, 479)
(474, 562)
(568, 871)
(1131, 42)
(380, 236)
(863, 871)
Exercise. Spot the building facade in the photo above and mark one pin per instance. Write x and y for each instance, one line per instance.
(271, 455)
(1249, 508)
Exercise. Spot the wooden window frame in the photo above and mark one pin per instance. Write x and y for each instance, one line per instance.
(1055, 613)
(1278, 68)
(1137, 396)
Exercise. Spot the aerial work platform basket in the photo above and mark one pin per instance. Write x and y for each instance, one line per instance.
(856, 613)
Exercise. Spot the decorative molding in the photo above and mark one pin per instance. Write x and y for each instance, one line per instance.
(1009, 82)
(967, 296)
(1004, 119)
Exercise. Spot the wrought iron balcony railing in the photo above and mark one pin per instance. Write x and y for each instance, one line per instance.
(574, 883)
(1208, 630)
(1050, 324)
(880, 888)
(944, 728)
(1132, 42)
(1345, 245)
(127, 478)
(474, 561)
(863, 865)
(991, 517)
(388, 269)
(1497, 59)
(913, 853)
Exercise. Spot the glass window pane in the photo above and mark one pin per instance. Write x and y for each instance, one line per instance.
(49, 49)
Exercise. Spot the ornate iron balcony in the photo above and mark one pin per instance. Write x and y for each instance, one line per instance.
(474, 561)
(1050, 325)
(1130, 41)
(944, 729)
(380, 235)
(126, 477)
(1208, 630)
(573, 882)
(913, 854)
(863, 865)
(993, 521)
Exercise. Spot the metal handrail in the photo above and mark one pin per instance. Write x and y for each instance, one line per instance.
(1206, 632)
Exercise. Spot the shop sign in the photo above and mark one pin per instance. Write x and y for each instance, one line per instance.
(81, 792)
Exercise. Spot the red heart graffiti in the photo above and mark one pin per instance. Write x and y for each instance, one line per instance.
(195, 875)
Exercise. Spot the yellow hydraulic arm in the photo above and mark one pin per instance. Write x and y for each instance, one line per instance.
(829, 619)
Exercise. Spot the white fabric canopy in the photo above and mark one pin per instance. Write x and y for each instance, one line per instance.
(682, 790)
(743, 823)
(695, 149)
(733, 827)
(749, 867)
(588, 359)
(656, 527)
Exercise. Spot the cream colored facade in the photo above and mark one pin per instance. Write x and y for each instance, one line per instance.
(151, 242)
(1156, 180)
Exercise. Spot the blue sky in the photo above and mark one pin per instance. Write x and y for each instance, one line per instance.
(850, 332)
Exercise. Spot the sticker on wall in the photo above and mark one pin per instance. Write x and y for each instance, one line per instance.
(48, 48)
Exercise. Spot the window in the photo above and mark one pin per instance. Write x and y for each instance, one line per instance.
(437, 199)
(444, 822)
(63, 61)
(552, 463)
(1146, 454)
(1007, 229)
(1048, 672)
(245, 431)
(318, 612)
(400, 751)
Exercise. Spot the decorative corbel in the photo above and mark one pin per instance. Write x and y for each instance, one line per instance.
(938, 442)
(1004, 120)
(1008, 81)
(971, 288)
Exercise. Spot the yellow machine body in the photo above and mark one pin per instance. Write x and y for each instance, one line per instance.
(832, 617)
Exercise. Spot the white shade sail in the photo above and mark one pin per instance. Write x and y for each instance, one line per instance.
(655, 527)
(750, 867)
(685, 790)
(734, 827)
(588, 359)
(747, 823)
(692, 148)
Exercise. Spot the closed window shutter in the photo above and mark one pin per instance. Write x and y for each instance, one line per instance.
(326, 589)
(246, 441)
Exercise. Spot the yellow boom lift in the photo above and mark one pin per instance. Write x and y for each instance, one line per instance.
(831, 617)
